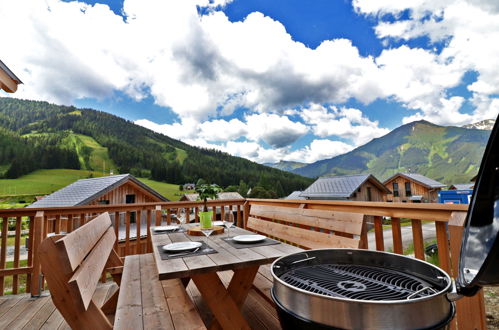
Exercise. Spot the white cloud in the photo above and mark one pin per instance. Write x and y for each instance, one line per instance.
(318, 150)
(277, 131)
(342, 122)
(466, 29)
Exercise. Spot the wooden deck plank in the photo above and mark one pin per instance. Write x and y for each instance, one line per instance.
(9, 303)
(34, 304)
(13, 312)
(41, 316)
(54, 321)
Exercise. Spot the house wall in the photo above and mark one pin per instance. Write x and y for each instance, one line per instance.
(361, 194)
(429, 195)
(118, 195)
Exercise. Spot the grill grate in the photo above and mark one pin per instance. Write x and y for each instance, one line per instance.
(358, 282)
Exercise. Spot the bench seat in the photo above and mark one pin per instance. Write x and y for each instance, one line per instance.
(145, 302)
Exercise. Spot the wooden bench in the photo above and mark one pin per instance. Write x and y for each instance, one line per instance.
(306, 228)
(309, 228)
(73, 264)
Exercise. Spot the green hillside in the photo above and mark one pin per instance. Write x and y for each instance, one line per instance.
(447, 154)
(285, 165)
(48, 136)
(42, 182)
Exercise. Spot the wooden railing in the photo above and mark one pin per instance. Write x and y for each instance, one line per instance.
(132, 225)
(131, 222)
(449, 223)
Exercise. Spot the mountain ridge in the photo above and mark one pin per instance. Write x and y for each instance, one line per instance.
(418, 147)
(133, 149)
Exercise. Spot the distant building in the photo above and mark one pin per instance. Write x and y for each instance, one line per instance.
(8, 80)
(222, 195)
(116, 189)
(189, 186)
(412, 188)
(295, 195)
(464, 186)
(106, 190)
(363, 187)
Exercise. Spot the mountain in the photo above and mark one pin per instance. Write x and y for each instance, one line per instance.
(38, 135)
(446, 154)
(285, 165)
(486, 124)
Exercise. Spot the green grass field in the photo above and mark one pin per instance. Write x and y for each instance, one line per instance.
(168, 190)
(42, 182)
(91, 154)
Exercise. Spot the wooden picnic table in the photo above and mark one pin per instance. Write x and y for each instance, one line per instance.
(224, 303)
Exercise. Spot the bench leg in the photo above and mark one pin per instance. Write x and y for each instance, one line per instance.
(220, 302)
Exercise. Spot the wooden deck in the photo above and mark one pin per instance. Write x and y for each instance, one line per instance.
(23, 312)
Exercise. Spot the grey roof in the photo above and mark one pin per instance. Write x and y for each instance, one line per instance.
(339, 186)
(430, 183)
(295, 195)
(10, 73)
(222, 195)
(463, 186)
(84, 191)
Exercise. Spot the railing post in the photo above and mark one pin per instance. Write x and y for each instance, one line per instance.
(246, 211)
(470, 310)
(158, 215)
(37, 240)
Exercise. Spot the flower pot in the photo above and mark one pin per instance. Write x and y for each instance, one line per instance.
(205, 219)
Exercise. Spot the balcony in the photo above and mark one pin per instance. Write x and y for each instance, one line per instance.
(21, 278)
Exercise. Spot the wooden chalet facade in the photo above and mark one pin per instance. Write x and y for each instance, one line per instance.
(412, 188)
(363, 187)
(107, 190)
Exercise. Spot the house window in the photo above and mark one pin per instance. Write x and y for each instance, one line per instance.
(104, 202)
(130, 199)
(395, 189)
(408, 192)
(369, 197)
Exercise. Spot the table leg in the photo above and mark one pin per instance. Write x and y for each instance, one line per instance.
(239, 287)
(225, 303)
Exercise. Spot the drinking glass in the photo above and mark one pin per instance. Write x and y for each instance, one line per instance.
(228, 221)
(207, 232)
(181, 217)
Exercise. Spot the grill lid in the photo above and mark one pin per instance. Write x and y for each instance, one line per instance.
(478, 264)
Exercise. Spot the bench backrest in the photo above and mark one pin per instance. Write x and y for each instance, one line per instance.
(309, 228)
(73, 264)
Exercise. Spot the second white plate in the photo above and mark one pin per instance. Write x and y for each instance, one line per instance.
(248, 238)
(165, 228)
(181, 246)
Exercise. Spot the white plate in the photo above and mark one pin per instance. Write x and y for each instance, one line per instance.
(181, 246)
(248, 238)
(218, 223)
(165, 228)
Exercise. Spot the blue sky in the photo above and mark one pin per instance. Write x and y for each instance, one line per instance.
(265, 80)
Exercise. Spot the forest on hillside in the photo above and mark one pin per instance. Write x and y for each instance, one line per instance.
(37, 133)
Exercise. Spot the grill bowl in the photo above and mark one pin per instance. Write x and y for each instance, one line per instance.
(333, 308)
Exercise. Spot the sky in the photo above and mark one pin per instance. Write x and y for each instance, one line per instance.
(264, 80)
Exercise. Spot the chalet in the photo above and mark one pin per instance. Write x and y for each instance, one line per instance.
(464, 186)
(412, 188)
(8, 80)
(115, 189)
(364, 187)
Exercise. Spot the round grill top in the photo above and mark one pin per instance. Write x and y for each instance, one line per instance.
(358, 282)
